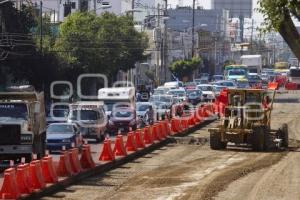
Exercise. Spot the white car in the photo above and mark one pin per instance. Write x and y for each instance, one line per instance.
(208, 92)
(178, 93)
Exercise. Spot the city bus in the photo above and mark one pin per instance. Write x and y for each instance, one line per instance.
(236, 72)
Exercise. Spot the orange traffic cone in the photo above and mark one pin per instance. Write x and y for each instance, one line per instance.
(107, 153)
(119, 149)
(155, 130)
(36, 175)
(162, 130)
(130, 143)
(48, 170)
(139, 139)
(147, 135)
(74, 160)
(86, 160)
(64, 168)
(167, 128)
(22, 178)
(9, 188)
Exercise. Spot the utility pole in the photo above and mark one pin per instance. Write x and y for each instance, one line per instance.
(157, 69)
(165, 49)
(193, 30)
(41, 26)
(95, 6)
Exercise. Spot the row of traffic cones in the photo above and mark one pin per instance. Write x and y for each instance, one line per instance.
(135, 140)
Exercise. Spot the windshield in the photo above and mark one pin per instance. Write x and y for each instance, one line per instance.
(193, 92)
(142, 107)
(236, 72)
(165, 99)
(206, 88)
(177, 93)
(158, 91)
(13, 110)
(219, 88)
(295, 72)
(58, 113)
(55, 128)
(109, 105)
(122, 114)
(84, 115)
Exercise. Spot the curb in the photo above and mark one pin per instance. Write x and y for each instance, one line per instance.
(102, 168)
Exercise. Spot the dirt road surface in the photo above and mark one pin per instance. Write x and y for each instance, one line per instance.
(188, 170)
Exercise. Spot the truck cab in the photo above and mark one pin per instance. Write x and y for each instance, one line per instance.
(22, 125)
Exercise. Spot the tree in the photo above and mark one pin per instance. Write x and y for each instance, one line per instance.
(278, 16)
(184, 68)
(103, 44)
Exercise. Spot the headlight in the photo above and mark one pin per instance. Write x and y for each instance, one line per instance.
(68, 140)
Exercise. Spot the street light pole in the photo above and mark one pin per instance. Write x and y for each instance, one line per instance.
(41, 26)
(193, 30)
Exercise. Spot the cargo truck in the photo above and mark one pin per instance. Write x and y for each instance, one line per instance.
(22, 124)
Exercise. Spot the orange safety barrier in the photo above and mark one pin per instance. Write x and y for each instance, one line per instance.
(36, 175)
(74, 160)
(107, 153)
(155, 134)
(291, 86)
(9, 189)
(167, 127)
(191, 120)
(175, 127)
(184, 124)
(64, 167)
(130, 143)
(86, 160)
(48, 170)
(147, 135)
(22, 179)
(139, 139)
(163, 129)
(159, 131)
(119, 148)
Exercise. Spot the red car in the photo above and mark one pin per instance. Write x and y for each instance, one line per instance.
(122, 119)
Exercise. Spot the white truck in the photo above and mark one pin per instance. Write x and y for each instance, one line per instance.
(22, 124)
(254, 63)
(117, 96)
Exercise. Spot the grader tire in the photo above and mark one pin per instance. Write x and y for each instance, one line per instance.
(215, 141)
(258, 139)
(285, 135)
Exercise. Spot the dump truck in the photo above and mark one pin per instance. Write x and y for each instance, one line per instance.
(247, 121)
(22, 124)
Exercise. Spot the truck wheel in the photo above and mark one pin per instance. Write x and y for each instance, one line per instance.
(284, 135)
(215, 141)
(258, 139)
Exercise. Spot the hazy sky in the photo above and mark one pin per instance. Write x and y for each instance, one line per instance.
(207, 5)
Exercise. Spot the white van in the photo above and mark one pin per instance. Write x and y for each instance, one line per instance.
(174, 85)
(90, 117)
(117, 96)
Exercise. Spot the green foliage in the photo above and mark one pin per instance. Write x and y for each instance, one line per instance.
(274, 12)
(101, 44)
(278, 16)
(182, 68)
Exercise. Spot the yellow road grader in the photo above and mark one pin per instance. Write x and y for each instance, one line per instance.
(247, 120)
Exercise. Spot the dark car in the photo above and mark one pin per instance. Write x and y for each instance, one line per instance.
(254, 80)
(194, 96)
(61, 135)
(122, 119)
